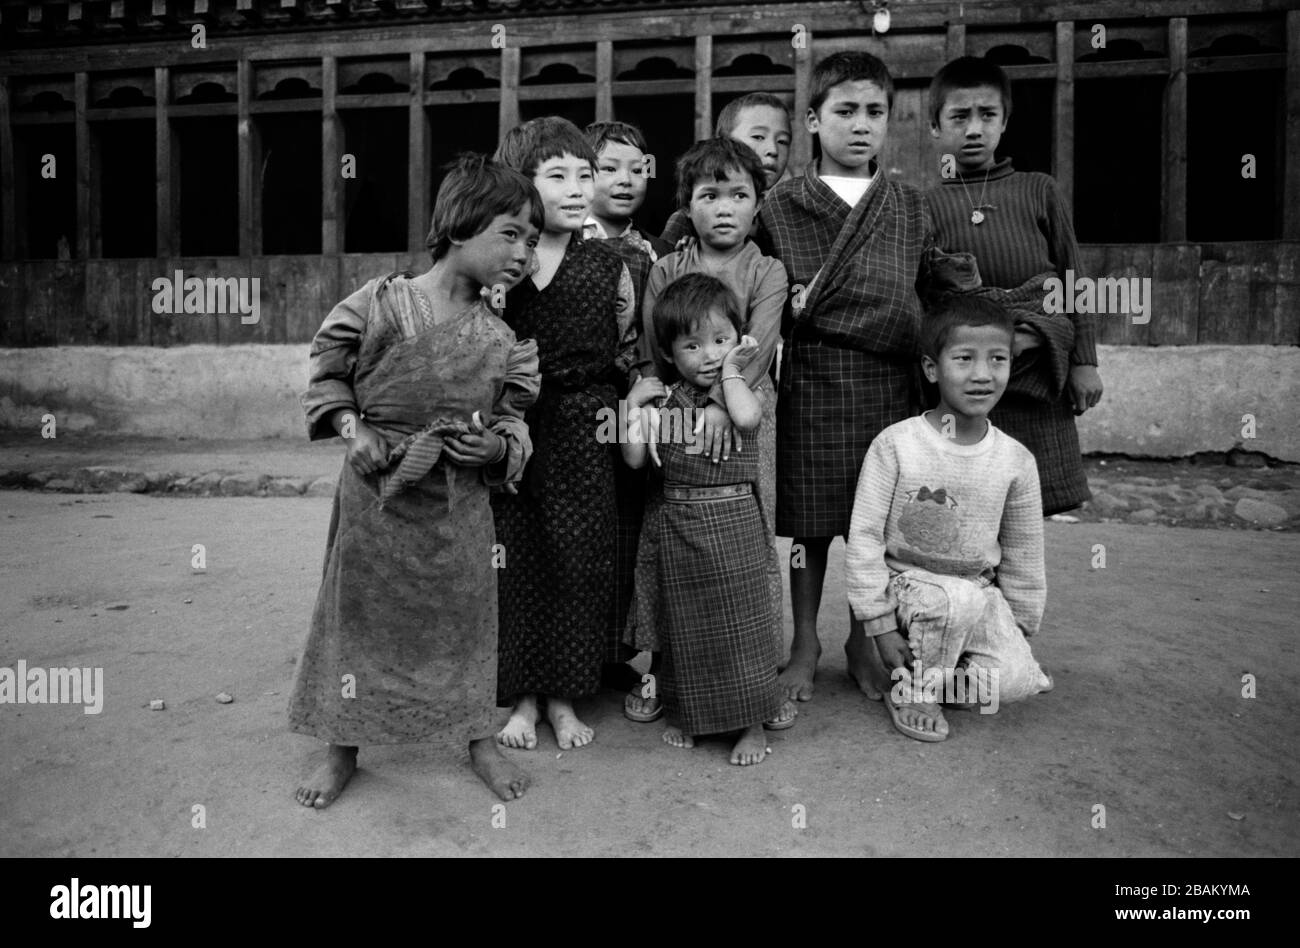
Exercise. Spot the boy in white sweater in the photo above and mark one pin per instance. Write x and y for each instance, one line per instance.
(945, 553)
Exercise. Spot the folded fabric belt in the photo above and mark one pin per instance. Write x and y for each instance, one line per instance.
(693, 494)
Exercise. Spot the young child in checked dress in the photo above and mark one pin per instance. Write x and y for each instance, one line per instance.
(716, 622)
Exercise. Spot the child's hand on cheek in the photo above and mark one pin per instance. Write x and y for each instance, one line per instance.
(740, 356)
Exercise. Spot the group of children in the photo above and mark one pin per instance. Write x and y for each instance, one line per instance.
(489, 549)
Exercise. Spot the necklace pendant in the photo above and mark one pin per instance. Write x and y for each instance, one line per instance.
(977, 216)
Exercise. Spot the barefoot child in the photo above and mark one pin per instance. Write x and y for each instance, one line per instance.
(557, 590)
(1018, 228)
(852, 242)
(718, 629)
(760, 122)
(721, 183)
(403, 638)
(946, 543)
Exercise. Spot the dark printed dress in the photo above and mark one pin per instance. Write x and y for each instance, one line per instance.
(718, 630)
(557, 590)
(402, 644)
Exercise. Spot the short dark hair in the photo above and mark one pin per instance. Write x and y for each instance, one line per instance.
(848, 66)
(686, 302)
(961, 309)
(475, 191)
(968, 72)
(525, 147)
(729, 117)
(600, 134)
(711, 160)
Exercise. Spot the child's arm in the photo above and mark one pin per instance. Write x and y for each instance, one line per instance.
(636, 436)
(1021, 575)
(866, 575)
(626, 316)
(1085, 381)
(649, 360)
(764, 323)
(519, 390)
(740, 401)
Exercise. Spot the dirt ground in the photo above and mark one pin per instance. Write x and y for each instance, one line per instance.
(1147, 720)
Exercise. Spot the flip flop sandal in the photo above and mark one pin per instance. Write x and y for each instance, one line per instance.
(643, 717)
(779, 723)
(895, 712)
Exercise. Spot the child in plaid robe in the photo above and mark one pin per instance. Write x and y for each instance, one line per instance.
(853, 244)
(1018, 229)
(716, 624)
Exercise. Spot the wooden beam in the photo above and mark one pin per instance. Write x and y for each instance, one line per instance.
(1291, 129)
(81, 248)
(508, 113)
(417, 160)
(162, 163)
(703, 87)
(604, 81)
(248, 236)
(331, 138)
(1063, 113)
(8, 192)
(801, 141)
(1173, 203)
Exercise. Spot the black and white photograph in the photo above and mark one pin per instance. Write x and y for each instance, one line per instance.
(650, 428)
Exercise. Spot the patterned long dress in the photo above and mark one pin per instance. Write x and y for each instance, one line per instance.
(403, 643)
(848, 368)
(557, 589)
(719, 632)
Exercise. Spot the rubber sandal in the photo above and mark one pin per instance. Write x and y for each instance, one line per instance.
(781, 724)
(643, 717)
(931, 737)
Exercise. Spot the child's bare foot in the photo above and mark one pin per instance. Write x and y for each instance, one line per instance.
(324, 786)
(521, 730)
(501, 775)
(865, 667)
(675, 737)
(797, 677)
(569, 731)
(751, 748)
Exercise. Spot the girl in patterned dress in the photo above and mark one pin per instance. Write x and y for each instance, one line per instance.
(717, 626)
(559, 531)
(403, 637)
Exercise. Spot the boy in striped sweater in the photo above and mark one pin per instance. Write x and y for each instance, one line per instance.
(1018, 228)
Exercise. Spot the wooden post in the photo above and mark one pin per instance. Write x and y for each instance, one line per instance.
(955, 42)
(417, 160)
(331, 135)
(247, 173)
(801, 141)
(703, 87)
(8, 193)
(82, 171)
(1063, 114)
(162, 163)
(1173, 203)
(508, 116)
(1291, 129)
(604, 81)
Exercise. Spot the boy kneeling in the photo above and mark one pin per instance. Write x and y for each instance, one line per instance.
(945, 555)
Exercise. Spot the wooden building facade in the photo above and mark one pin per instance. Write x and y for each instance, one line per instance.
(301, 142)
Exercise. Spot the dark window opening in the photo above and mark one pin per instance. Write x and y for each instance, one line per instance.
(476, 131)
(667, 124)
(1028, 138)
(128, 188)
(376, 198)
(291, 182)
(581, 112)
(1117, 158)
(46, 206)
(209, 186)
(1232, 115)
